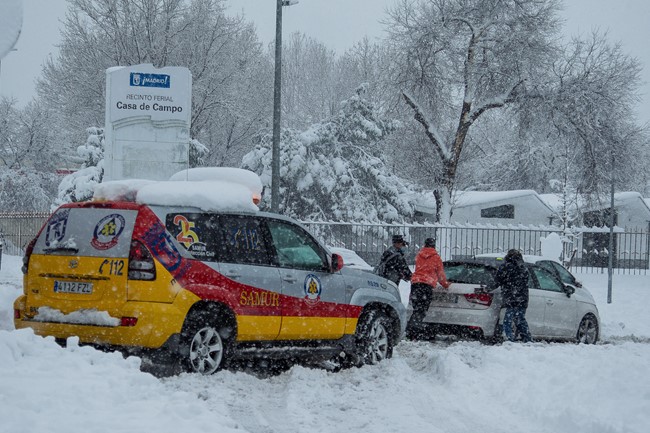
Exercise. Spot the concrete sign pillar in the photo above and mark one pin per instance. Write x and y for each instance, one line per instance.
(147, 129)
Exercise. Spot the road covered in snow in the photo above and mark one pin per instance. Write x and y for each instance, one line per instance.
(445, 386)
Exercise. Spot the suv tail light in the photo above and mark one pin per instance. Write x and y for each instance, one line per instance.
(28, 253)
(479, 298)
(141, 264)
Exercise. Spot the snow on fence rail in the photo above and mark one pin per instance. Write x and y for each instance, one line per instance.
(586, 248)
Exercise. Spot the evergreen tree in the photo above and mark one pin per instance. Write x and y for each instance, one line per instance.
(334, 170)
(79, 186)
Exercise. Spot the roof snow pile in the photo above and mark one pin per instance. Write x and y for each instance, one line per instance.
(206, 188)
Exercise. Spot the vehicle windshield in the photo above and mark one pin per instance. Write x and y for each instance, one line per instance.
(469, 273)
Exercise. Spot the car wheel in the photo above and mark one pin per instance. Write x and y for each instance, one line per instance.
(588, 330)
(373, 338)
(204, 346)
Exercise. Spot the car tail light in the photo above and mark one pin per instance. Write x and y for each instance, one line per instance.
(141, 264)
(479, 298)
(16, 314)
(28, 253)
(128, 321)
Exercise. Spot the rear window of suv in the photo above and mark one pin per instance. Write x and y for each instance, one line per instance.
(91, 232)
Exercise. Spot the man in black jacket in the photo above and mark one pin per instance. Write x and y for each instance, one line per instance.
(392, 264)
(513, 277)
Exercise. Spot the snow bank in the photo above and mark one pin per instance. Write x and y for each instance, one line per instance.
(46, 388)
(442, 387)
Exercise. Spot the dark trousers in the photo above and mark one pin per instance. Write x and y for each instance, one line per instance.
(518, 316)
(420, 299)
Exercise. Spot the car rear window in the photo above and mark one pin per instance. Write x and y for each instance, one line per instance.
(469, 273)
(92, 232)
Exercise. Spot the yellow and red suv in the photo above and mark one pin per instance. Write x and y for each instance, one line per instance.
(209, 286)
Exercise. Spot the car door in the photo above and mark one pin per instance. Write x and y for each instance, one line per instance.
(560, 309)
(536, 307)
(311, 292)
(245, 257)
(235, 247)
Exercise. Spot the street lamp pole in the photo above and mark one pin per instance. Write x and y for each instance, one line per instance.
(277, 106)
(612, 220)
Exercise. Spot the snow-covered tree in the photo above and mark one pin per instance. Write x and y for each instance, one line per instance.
(26, 190)
(27, 158)
(230, 98)
(26, 137)
(334, 170)
(80, 185)
(454, 60)
(590, 103)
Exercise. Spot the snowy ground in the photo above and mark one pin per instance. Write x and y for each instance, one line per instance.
(426, 387)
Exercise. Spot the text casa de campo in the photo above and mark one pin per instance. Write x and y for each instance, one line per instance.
(153, 102)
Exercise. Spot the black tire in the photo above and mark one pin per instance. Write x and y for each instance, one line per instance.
(588, 330)
(374, 341)
(204, 343)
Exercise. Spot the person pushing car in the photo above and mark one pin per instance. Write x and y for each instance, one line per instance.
(392, 264)
(513, 277)
(429, 272)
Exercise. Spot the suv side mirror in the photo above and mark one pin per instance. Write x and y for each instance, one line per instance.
(569, 290)
(337, 262)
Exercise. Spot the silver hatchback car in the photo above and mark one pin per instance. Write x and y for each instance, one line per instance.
(559, 308)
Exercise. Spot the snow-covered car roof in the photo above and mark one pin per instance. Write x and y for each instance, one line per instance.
(206, 188)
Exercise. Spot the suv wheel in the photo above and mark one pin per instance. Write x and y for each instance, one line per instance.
(205, 346)
(373, 338)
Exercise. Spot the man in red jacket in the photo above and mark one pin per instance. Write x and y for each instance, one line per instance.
(428, 274)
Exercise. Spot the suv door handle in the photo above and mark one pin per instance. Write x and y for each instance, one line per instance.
(289, 279)
(233, 275)
(549, 302)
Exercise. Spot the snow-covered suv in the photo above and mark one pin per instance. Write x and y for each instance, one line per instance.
(182, 267)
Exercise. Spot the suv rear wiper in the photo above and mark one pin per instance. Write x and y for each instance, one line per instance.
(61, 250)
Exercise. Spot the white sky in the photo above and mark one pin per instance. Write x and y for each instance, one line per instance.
(338, 23)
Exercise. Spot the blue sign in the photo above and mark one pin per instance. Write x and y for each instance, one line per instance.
(140, 79)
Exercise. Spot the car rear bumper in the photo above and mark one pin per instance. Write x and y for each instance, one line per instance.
(156, 324)
(463, 318)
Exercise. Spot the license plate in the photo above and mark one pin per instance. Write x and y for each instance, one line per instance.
(73, 287)
(445, 298)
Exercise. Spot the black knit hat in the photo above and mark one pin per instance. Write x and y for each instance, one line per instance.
(430, 242)
(399, 239)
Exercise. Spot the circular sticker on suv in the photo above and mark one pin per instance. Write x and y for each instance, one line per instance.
(312, 289)
(107, 231)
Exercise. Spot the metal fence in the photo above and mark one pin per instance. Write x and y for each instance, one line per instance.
(584, 248)
(17, 229)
